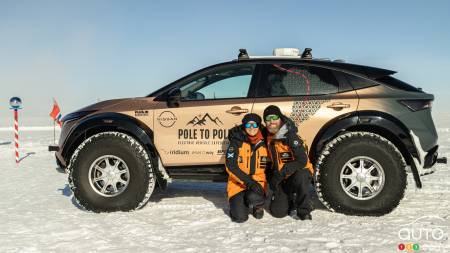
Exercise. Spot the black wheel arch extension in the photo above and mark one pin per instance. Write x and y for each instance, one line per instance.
(370, 121)
(111, 121)
(376, 122)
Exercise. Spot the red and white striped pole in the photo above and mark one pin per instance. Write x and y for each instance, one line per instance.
(15, 103)
(16, 134)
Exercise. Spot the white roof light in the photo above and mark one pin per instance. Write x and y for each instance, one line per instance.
(286, 52)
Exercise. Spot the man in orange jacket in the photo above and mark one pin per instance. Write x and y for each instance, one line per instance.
(246, 161)
(291, 173)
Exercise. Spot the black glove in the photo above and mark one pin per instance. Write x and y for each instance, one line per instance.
(255, 187)
(275, 180)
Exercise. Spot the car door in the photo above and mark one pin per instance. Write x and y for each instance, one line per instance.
(195, 132)
(311, 96)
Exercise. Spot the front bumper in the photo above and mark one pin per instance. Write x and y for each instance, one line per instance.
(52, 148)
(58, 149)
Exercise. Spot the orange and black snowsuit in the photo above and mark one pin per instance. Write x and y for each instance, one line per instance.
(288, 151)
(245, 162)
(289, 155)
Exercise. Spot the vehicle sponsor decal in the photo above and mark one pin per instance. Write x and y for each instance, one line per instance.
(303, 110)
(141, 113)
(200, 120)
(179, 152)
(166, 119)
(176, 152)
(202, 135)
(221, 152)
(202, 152)
(205, 130)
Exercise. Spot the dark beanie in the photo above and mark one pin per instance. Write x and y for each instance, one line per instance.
(251, 117)
(272, 110)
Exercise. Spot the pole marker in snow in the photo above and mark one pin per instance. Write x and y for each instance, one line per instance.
(16, 103)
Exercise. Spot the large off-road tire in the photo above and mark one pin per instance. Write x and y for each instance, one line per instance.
(339, 166)
(111, 171)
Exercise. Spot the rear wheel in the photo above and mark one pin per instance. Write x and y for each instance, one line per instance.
(111, 171)
(360, 173)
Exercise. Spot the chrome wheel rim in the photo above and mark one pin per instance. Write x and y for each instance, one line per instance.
(362, 178)
(109, 175)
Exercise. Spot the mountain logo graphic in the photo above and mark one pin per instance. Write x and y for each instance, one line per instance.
(201, 121)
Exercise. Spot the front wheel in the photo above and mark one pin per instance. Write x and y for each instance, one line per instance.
(360, 173)
(111, 171)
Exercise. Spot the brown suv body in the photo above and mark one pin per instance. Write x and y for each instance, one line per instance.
(184, 125)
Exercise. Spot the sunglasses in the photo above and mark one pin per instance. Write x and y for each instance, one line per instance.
(248, 125)
(272, 117)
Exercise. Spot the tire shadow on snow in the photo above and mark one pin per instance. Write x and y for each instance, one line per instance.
(66, 191)
(213, 192)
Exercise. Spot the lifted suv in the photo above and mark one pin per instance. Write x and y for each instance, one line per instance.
(364, 128)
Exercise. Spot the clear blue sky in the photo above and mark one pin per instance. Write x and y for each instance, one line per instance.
(82, 51)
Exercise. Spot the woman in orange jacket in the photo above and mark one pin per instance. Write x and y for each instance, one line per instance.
(246, 160)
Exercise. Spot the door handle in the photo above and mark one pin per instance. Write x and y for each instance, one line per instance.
(338, 106)
(236, 110)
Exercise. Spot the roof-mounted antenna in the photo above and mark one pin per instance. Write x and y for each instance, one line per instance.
(243, 54)
(307, 54)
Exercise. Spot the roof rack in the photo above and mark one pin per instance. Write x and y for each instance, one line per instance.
(278, 53)
(286, 53)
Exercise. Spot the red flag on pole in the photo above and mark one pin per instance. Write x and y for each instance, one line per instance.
(55, 114)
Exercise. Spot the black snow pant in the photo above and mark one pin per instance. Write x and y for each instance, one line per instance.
(243, 203)
(292, 193)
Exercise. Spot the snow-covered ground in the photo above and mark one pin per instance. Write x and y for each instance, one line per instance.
(38, 214)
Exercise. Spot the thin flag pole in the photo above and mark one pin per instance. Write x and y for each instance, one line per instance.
(54, 123)
(54, 132)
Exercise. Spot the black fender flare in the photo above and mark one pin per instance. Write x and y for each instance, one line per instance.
(111, 121)
(372, 121)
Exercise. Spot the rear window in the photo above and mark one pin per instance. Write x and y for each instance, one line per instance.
(397, 84)
(354, 81)
(359, 82)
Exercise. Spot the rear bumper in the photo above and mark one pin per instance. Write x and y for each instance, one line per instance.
(425, 160)
(431, 157)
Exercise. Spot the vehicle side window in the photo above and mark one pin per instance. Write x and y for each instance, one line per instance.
(358, 82)
(296, 80)
(344, 85)
(227, 82)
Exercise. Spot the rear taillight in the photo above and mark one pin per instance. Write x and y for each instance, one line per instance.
(417, 104)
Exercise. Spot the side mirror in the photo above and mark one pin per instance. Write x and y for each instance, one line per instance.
(174, 97)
